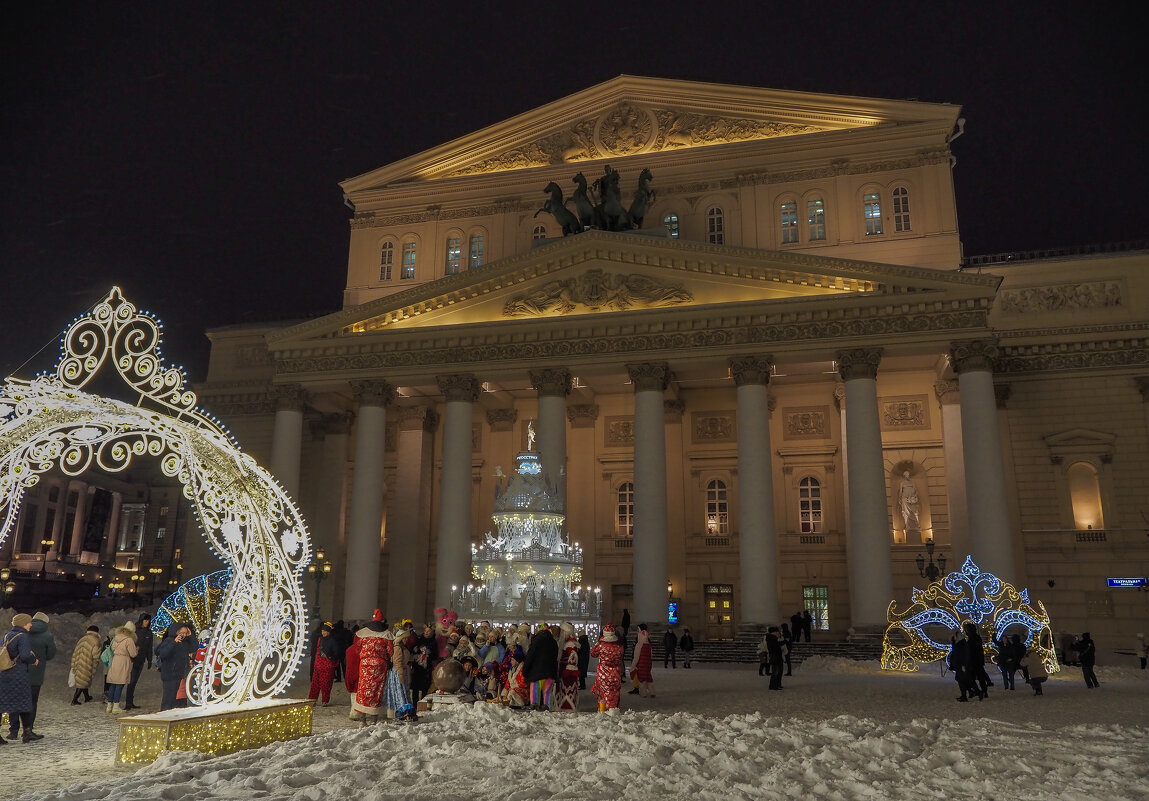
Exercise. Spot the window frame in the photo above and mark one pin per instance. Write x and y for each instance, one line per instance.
(624, 510)
(812, 226)
(788, 220)
(900, 208)
(716, 522)
(386, 259)
(872, 212)
(810, 512)
(715, 225)
(453, 266)
(820, 612)
(407, 267)
(475, 261)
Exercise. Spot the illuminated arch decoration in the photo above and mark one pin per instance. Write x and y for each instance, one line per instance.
(196, 602)
(247, 518)
(970, 595)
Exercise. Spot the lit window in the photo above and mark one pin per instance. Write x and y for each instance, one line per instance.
(715, 226)
(1085, 496)
(816, 599)
(476, 255)
(809, 506)
(901, 209)
(386, 259)
(671, 223)
(872, 209)
(815, 220)
(408, 261)
(163, 511)
(454, 254)
(540, 232)
(717, 509)
(789, 222)
(624, 518)
(161, 532)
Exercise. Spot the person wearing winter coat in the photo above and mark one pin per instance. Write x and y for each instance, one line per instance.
(326, 661)
(176, 652)
(774, 652)
(583, 658)
(85, 662)
(397, 694)
(15, 686)
(787, 647)
(686, 644)
(1036, 671)
(541, 668)
(515, 690)
(1087, 656)
(44, 647)
(376, 644)
(471, 690)
(608, 673)
(763, 652)
(1010, 654)
(642, 663)
(143, 657)
(568, 669)
(977, 659)
(669, 647)
(124, 650)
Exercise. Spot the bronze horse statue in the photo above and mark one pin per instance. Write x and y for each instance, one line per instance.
(555, 207)
(582, 203)
(610, 214)
(643, 198)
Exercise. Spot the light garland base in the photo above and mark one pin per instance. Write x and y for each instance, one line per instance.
(215, 730)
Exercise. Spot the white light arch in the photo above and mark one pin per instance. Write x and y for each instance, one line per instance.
(248, 519)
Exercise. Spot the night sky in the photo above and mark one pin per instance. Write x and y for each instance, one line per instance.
(191, 152)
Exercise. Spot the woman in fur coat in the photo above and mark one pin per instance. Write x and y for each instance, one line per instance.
(640, 668)
(124, 650)
(608, 672)
(85, 661)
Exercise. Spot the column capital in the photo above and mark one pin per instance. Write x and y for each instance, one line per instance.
(338, 424)
(840, 395)
(1143, 387)
(977, 354)
(459, 387)
(551, 381)
(372, 392)
(946, 390)
(582, 415)
(289, 397)
(859, 363)
(649, 376)
(673, 410)
(751, 369)
(502, 419)
(416, 418)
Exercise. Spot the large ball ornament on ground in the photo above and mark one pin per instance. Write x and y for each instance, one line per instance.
(449, 676)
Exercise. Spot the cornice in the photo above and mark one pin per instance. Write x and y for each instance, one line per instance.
(1132, 352)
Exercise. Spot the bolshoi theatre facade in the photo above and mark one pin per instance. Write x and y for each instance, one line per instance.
(758, 366)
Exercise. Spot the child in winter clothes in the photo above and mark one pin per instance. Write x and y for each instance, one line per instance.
(515, 691)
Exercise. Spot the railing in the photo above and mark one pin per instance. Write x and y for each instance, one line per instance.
(1053, 253)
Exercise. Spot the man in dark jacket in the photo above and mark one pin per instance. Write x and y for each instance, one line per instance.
(175, 652)
(583, 659)
(958, 661)
(143, 657)
(541, 668)
(686, 643)
(977, 660)
(774, 650)
(44, 647)
(1087, 651)
(669, 646)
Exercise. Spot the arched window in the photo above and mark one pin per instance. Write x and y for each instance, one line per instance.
(815, 220)
(408, 261)
(1085, 496)
(671, 223)
(540, 232)
(475, 259)
(715, 226)
(624, 516)
(717, 509)
(901, 209)
(809, 506)
(386, 260)
(789, 222)
(454, 255)
(872, 211)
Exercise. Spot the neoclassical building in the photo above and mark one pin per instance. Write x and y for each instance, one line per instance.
(765, 393)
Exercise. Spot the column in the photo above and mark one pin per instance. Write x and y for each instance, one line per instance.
(990, 532)
(409, 532)
(112, 532)
(361, 585)
(287, 437)
(948, 398)
(758, 541)
(327, 530)
(871, 582)
(553, 386)
(650, 550)
(76, 535)
(453, 560)
(581, 480)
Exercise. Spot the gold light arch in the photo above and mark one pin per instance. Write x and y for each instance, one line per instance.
(247, 518)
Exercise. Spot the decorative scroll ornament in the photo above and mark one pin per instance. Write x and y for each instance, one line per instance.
(922, 633)
(248, 519)
(596, 290)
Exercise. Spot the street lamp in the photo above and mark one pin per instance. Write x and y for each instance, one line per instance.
(155, 571)
(45, 546)
(319, 570)
(931, 571)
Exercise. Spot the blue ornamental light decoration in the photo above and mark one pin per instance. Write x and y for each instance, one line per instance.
(922, 633)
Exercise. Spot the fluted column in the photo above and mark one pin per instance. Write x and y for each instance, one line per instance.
(871, 581)
(287, 437)
(757, 539)
(409, 526)
(76, 542)
(112, 532)
(454, 540)
(650, 549)
(553, 386)
(990, 531)
(327, 522)
(361, 583)
(949, 399)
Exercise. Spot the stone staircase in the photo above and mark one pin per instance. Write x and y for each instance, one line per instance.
(746, 650)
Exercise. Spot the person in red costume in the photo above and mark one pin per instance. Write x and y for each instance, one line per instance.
(568, 669)
(608, 673)
(375, 646)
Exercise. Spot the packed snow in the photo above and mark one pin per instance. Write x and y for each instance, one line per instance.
(838, 730)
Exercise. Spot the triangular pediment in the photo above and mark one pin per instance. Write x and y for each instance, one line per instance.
(598, 273)
(632, 115)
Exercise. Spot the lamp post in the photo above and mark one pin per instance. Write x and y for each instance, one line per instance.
(45, 546)
(9, 586)
(931, 571)
(319, 568)
(155, 571)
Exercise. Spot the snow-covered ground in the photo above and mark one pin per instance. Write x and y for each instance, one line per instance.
(839, 730)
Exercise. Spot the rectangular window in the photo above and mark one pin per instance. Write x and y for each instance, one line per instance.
(476, 256)
(901, 209)
(789, 223)
(454, 255)
(161, 532)
(816, 220)
(715, 227)
(872, 209)
(816, 599)
(386, 259)
(408, 261)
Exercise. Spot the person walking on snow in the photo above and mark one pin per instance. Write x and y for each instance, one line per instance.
(608, 673)
(643, 662)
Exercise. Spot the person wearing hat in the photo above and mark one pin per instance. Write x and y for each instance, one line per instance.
(541, 667)
(143, 657)
(515, 692)
(608, 673)
(176, 653)
(397, 693)
(568, 668)
(1087, 656)
(642, 660)
(326, 658)
(15, 686)
(124, 650)
(85, 661)
(44, 647)
(375, 649)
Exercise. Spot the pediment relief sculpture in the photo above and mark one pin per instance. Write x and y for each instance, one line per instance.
(594, 291)
(628, 128)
